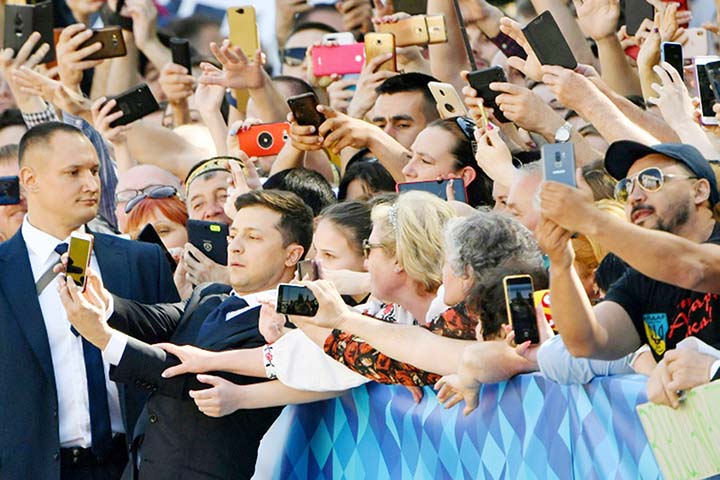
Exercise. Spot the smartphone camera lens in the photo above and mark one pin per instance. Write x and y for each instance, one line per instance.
(265, 140)
(449, 108)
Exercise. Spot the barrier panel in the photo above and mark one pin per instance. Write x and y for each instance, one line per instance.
(526, 428)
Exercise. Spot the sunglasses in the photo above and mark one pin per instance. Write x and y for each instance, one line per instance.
(162, 191)
(367, 246)
(651, 180)
(467, 126)
(127, 195)
(293, 57)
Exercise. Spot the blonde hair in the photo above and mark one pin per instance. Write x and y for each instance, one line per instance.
(412, 230)
(588, 252)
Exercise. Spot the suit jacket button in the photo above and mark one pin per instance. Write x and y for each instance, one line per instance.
(153, 418)
(55, 413)
(56, 456)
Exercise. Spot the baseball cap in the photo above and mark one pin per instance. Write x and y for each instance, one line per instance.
(622, 154)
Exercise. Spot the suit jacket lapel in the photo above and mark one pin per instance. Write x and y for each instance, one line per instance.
(18, 285)
(234, 331)
(112, 260)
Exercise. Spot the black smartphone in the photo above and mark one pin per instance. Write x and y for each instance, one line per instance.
(712, 70)
(636, 11)
(307, 268)
(135, 104)
(413, 7)
(558, 162)
(672, 53)
(304, 109)
(296, 300)
(521, 308)
(110, 17)
(548, 42)
(210, 238)
(79, 253)
(149, 235)
(180, 50)
(704, 89)
(480, 80)
(9, 190)
(437, 188)
(22, 20)
(112, 41)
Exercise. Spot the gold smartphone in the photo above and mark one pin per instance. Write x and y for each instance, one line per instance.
(449, 103)
(408, 31)
(378, 44)
(520, 305)
(79, 254)
(437, 31)
(244, 34)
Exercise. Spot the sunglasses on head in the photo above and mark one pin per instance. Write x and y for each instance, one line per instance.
(651, 180)
(467, 126)
(162, 191)
(293, 57)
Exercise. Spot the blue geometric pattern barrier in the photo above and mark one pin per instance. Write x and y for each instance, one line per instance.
(528, 428)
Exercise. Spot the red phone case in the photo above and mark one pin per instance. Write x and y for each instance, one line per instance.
(338, 59)
(263, 140)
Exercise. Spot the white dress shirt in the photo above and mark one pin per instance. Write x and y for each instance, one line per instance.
(66, 348)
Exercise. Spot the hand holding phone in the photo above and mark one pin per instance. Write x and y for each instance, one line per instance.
(480, 80)
(180, 51)
(447, 100)
(135, 104)
(558, 162)
(304, 109)
(296, 300)
(547, 41)
(521, 308)
(210, 238)
(79, 253)
(112, 41)
(263, 140)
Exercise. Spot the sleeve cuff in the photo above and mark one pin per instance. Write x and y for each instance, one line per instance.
(714, 368)
(115, 348)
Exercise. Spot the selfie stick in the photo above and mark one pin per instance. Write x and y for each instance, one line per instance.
(468, 48)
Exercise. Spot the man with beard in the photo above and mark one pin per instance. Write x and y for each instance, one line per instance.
(669, 192)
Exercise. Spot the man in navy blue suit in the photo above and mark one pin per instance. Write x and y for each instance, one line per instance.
(60, 415)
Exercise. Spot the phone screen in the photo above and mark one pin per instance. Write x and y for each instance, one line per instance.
(296, 300)
(672, 53)
(521, 309)
(79, 258)
(9, 190)
(707, 98)
(307, 268)
(437, 188)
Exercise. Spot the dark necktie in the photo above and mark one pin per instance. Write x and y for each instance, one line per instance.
(100, 425)
(216, 318)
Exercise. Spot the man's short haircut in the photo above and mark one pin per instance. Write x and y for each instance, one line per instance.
(302, 26)
(306, 17)
(295, 86)
(408, 82)
(9, 155)
(309, 185)
(42, 135)
(11, 118)
(296, 218)
(190, 27)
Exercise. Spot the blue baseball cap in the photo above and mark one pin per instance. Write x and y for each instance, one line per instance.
(622, 154)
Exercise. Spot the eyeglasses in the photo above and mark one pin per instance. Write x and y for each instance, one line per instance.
(293, 57)
(367, 246)
(125, 196)
(651, 180)
(467, 126)
(162, 191)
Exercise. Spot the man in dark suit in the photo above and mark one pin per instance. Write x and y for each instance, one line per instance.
(61, 417)
(270, 234)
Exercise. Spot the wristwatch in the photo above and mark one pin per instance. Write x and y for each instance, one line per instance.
(562, 134)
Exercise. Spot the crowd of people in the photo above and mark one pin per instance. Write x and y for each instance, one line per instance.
(169, 364)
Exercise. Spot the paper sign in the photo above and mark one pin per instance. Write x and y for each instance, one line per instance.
(686, 440)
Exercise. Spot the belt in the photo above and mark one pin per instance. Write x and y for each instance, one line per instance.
(84, 457)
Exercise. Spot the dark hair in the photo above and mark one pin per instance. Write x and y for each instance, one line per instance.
(9, 154)
(190, 27)
(479, 191)
(368, 170)
(11, 118)
(302, 26)
(42, 134)
(353, 220)
(610, 270)
(296, 218)
(297, 86)
(309, 185)
(412, 82)
(302, 18)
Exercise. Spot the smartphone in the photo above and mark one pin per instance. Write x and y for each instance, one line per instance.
(244, 34)
(672, 53)
(480, 80)
(263, 140)
(210, 238)
(436, 187)
(704, 89)
(636, 11)
(79, 254)
(413, 7)
(713, 72)
(338, 59)
(447, 100)
(521, 308)
(113, 43)
(339, 38)
(309, 269)
(304, 109)
(698, 43)
(9, 190)
(180, 51)
(378, 44)
(558, 161)
(296, 300)
(548, 42)
(437, 31)
(149, 235)
(22, 20)
(408, 31)
(110, 17)
(135, 104)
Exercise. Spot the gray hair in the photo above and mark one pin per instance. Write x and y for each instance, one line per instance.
(531, 169)
(488, 246)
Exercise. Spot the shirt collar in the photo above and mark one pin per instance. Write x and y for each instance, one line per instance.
(40, 243)
(253, 299)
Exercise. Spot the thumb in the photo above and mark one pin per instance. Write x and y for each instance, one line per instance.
(517, 63)
(327, 111)
(210, 379)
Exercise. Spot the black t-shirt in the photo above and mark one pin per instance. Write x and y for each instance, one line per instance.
(664, 314)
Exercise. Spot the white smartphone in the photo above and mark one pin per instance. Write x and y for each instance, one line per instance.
(703, 87)
(698, 43)
(448, 101)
